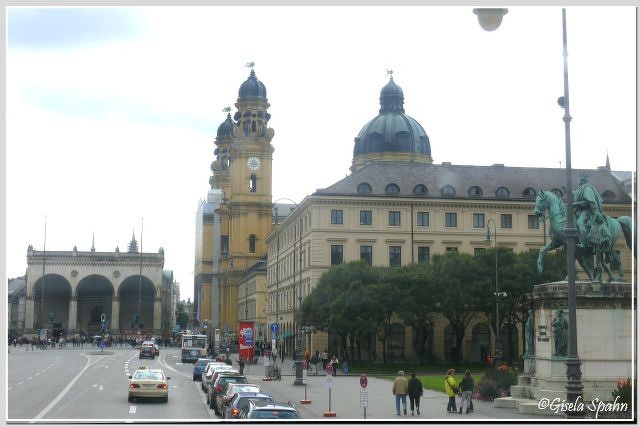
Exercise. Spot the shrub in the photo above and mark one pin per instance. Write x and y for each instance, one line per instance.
(623, 391)
(488, 388)
(506, 376)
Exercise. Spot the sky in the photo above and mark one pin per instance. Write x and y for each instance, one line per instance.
(111, 113)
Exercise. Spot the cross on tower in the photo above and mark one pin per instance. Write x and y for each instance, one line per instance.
(250, 65)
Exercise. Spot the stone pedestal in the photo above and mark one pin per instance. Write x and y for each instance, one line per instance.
(605, 341)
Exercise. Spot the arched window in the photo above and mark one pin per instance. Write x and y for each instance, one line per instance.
(529, 192)
(481, 343)
(364, 188)
(392, 189)
(252, 244)
(420, 190)
(502, 193)
(253, 183)
(608, 194)
(448, 191)
(475, 191)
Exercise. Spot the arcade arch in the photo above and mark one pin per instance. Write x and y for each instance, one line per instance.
(137, 296)
(94, 295)
(54, 312)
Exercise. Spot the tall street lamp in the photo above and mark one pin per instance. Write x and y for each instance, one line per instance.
(574, 385)
(297, 332)
(496, 294)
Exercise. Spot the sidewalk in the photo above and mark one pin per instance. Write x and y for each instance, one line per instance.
(345, 398)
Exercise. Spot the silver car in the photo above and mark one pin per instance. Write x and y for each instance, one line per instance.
(208, 372)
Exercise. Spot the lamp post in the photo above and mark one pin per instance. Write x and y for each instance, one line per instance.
(296, 332)
(496, 294)
(574, 385)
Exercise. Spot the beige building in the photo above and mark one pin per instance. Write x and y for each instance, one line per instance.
(398, 208)
(395, 208)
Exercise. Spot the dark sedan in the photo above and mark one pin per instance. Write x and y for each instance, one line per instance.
(238, 406)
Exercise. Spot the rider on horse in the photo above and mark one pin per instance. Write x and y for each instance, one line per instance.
(587, 203)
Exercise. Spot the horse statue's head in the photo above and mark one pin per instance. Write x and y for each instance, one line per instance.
(541, 203)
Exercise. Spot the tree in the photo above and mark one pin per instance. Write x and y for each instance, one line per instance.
(459, 290)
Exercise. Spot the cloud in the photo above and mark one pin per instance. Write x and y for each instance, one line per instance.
(46, 28)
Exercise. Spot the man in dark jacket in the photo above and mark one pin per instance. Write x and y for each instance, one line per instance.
(415, 391)
(466, 385)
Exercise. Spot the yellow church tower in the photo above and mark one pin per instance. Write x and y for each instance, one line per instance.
(242, 172)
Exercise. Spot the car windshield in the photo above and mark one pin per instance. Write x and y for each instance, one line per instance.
(148, 375)
(243, 402)
(273, 414)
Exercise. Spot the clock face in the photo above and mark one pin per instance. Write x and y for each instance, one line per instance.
(253, 163)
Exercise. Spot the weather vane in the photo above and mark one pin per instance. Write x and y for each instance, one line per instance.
(250, 65)
(390, 73)
(226, 109)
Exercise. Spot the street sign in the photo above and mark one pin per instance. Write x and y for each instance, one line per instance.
(275, 328)
(329, 382)
(206, 323)
(363, 381)
(364, 397)
(227, 329)
(103, 317)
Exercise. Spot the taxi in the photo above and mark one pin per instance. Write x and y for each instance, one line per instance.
(147, 382)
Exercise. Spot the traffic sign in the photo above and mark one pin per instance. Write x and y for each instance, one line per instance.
(363, 381)
(329, 382)
(275, 328)
(364, 397)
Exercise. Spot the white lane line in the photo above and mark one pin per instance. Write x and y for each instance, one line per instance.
(9, 389)
(132, 409)
(66, 389)
(37, 373)
(29, 379)
(20, 383)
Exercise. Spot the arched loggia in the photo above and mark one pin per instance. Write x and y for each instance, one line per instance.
(137, 296)
(95, 296)
(53, 314)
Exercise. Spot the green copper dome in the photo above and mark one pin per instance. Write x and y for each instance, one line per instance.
(392, 130)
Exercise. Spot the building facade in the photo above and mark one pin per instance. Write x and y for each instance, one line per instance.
(397, 208)
(77, 292)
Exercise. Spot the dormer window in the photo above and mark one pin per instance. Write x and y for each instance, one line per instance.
(529, 192)
(364, 188)
(502, 193)
(475, 191)
(392, 189)
(608, 194)
(448, 191)
(420, 190)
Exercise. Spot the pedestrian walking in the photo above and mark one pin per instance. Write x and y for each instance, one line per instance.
(334, 364)
(325, 359)
(241, 365)
(451, 387)
(466, 386)
(414, 391)
(315, 359)
(400, 389)
(345, 362)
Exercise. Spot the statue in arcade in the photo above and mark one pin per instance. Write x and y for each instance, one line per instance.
(560, 327)
(529, 335)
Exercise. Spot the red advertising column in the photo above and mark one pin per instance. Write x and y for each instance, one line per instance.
(245, 340)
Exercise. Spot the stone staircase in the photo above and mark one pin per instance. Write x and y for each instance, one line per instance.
(525, 397)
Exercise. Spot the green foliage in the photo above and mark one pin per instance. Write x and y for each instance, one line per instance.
(623, 391)
(488, 388)
(506, 376)
(182, 320)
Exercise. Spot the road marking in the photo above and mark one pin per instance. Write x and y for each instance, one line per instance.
(66, 389)
(9, 389)
(29, 379)
(133, 409)
(37, 373)
(20, 383)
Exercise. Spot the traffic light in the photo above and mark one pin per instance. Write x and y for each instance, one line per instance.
(103, 317)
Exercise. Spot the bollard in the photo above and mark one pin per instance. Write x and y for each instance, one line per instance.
(305, 400)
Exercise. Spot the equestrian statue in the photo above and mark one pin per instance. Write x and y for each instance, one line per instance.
(597, 232)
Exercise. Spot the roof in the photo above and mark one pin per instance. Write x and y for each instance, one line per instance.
(16, 285)
(463, 177)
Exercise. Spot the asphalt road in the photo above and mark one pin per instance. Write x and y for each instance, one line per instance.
(82, 384)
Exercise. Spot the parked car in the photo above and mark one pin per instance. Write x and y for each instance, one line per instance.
(238, 406)
(277, 411)
(198, 367)
(146, 382)
(208, 372)
(218, 388)
(214, 376)
(230, 389)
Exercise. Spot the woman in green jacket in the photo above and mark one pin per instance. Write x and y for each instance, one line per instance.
(451, 387)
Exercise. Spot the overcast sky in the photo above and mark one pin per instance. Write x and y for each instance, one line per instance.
(112, 113)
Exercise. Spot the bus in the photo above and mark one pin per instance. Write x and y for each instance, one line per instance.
(194, 347)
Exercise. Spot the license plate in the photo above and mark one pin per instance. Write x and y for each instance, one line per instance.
(148, 385)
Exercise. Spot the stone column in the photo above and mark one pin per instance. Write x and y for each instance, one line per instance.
(115, 315)
(73, 314)
(30, 309)
(157, 316)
